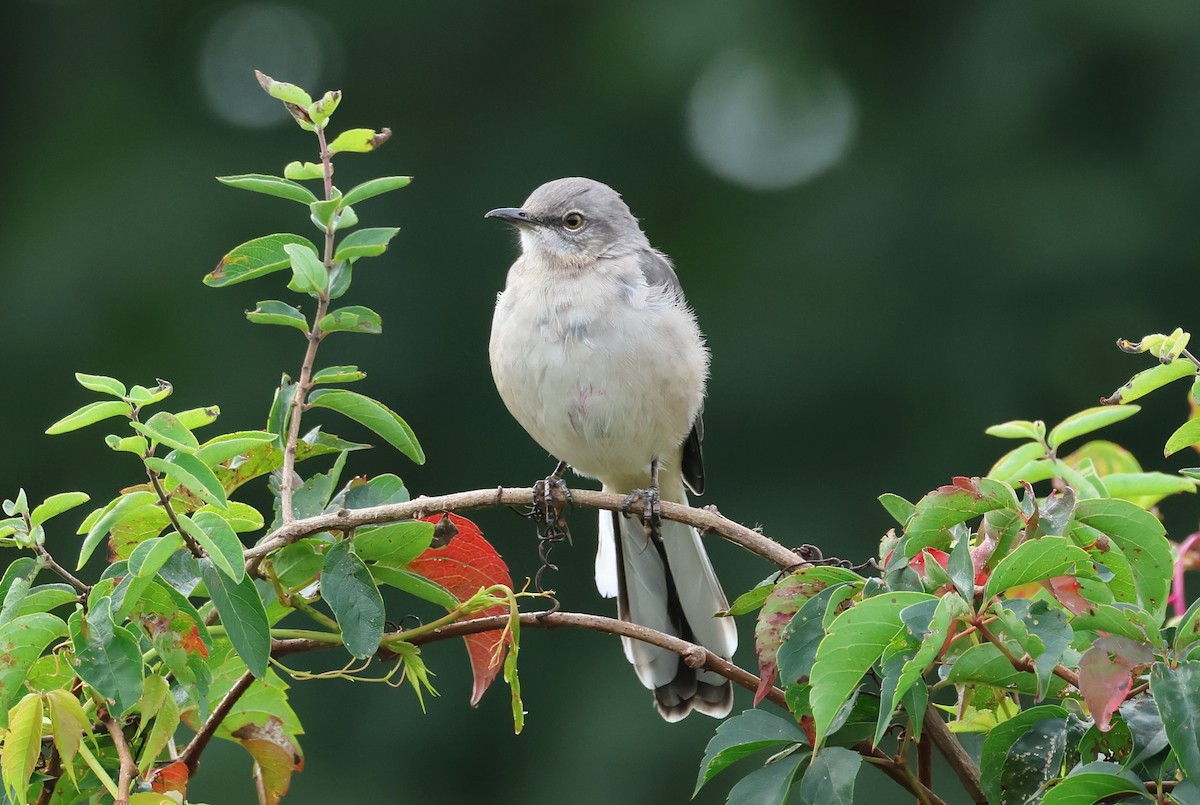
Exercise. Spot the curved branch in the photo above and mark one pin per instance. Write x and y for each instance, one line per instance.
(128, 770)
(707, 519)
(191, 755)
(695, 656)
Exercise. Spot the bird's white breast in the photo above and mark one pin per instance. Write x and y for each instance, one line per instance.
(604, 371)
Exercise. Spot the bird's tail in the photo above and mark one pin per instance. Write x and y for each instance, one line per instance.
(669, 585)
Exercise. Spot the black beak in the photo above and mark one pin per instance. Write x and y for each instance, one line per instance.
(512, 215)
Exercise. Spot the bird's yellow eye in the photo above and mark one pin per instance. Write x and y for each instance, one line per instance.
(573, 221)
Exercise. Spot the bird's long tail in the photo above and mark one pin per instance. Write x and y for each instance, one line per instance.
(669, 585)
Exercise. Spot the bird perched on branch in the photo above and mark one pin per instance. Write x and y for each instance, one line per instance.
(598, 356)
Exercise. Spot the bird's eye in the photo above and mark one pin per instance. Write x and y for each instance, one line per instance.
(573, 221)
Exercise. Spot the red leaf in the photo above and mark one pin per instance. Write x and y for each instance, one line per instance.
(463, 566)
(276, 757)
(173, 777)
(777, 612)
(1106, 675)
(1066, 590)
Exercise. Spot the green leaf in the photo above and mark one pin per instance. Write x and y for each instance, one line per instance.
(68, 723)
(752, 600)
(165, 428)
(1185, 435)
(352, 319)
(1000, 740)
(45, 597)
(243, 616)
(304, 170)
(358, 141)
(56, 505)
(856, 640)
(117, 511)
(1151, 379)
(141, 396)
(219, 541)
(22, 641)
(107, 656)
(830, 776)
(742, 736)
(370, 242)
(374, 187)
(950, 607)
(1010, 466)
(950, 505)
(770, 784)
(338, 374)
(899, 508)
(283, 91)
(297, 565)
(89, 415)
(22, 745)
(1035, 560)
(395, 543)
(347, 586)
(1146, 488)
(1086, 788)
(321, 110)
(166, 722)
(413, 584)
(101, 384)
(804, 632)
(1176, 691)
(309, 274)
(1087, 421)
(374, 415)
(231, 445)
(256, 258)
(149, 556)
(135, 444)
(1141, 537)
(188, 471)
(241, 516)
(986, 665)
(270, 185)
(194, 418)
(1018, 429)
(272, 311)
(378, 491)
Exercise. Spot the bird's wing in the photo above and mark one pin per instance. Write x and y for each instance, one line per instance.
(657, 269)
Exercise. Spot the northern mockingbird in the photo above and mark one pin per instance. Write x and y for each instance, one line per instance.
(597, 355)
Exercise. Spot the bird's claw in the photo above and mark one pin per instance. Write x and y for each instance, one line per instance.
(651, 507)
(549, 496)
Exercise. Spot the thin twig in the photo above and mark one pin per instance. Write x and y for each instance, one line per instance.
(128, 767)
(314, 336)
(694, 655)
(62, 572)
(1024, 663)
(191, 755)
(703, 519)
(166, 503)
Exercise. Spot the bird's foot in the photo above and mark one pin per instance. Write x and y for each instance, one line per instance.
(549, 497)
(651, 507)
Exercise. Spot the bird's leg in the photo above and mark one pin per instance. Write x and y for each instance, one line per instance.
(549, 494)
(651, 502)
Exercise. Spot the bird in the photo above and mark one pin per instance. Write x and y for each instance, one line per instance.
(597, 355)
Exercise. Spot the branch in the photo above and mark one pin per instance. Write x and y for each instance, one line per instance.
(128, 767)
(694, 655)
(957, 758)
(191, 755)
(706, 520)
(62, 572)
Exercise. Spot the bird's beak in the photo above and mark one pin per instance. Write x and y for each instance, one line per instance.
(512, 215)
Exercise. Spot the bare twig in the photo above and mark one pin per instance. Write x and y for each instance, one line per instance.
(960, 762)
(703, 519)
(166, 503)
(191, 754)
(694, 655)
(1024, 663)
(128, 767)
(62, 572)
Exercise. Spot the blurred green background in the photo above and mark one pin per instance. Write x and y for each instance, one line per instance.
(898, 224)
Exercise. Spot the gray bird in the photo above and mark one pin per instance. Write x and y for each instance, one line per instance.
(597, 355)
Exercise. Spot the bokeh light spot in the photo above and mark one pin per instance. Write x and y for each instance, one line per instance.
(286, 44)
(765, 126)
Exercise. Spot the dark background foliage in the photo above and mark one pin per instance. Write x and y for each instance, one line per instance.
(898, 224)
